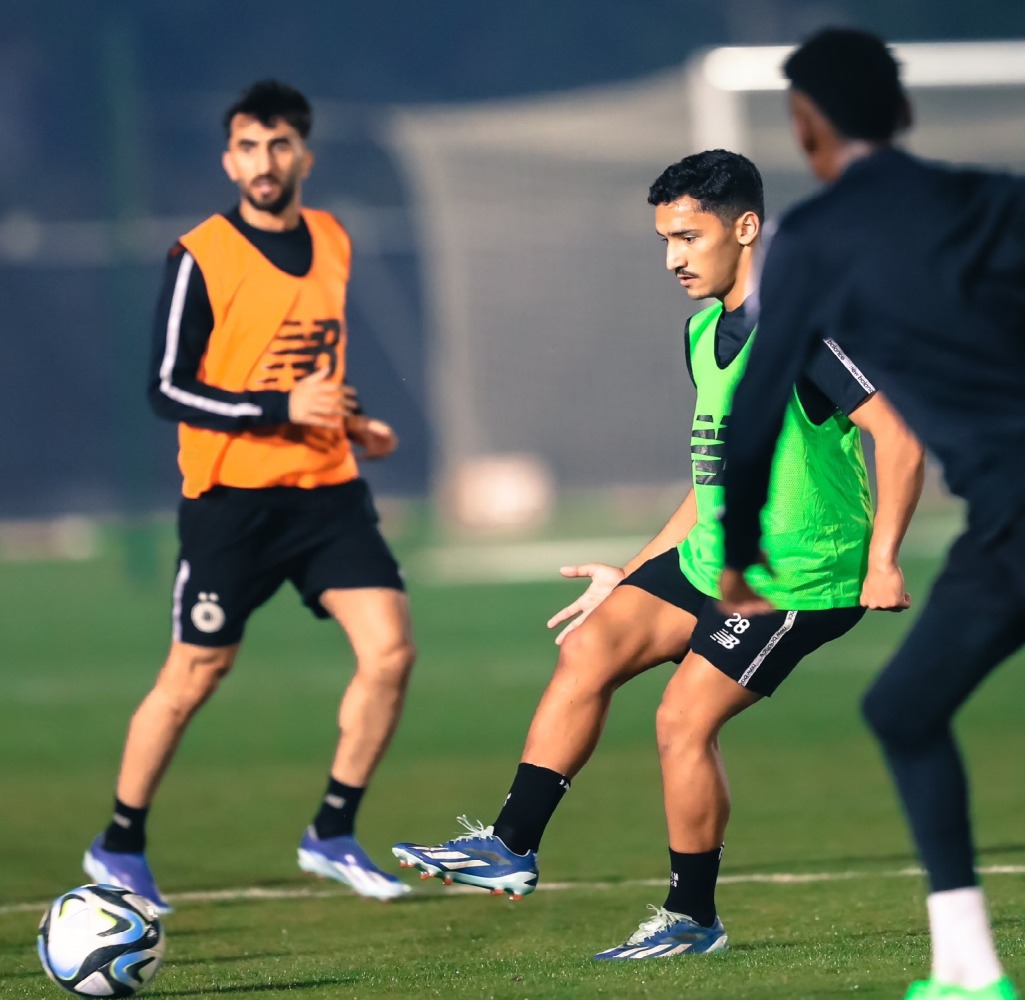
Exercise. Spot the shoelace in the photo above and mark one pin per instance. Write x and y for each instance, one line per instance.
(474, 829)
(659, 922)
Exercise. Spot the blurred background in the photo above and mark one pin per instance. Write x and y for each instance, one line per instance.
(509, 312)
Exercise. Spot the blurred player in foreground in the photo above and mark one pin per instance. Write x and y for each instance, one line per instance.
(920, 269)
(661, 606)
(249, 358)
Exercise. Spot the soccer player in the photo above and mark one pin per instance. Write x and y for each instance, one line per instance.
(249, 359)
(661, 607)
(920, 268)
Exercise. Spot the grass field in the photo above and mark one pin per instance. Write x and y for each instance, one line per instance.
(79, 644)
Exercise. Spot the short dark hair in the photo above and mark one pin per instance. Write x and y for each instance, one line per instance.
(268, 100)
(723, 183)
(853, 79)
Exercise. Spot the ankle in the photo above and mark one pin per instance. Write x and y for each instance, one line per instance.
(126, 833)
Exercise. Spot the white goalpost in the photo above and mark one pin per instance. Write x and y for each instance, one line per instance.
(556, 360)
(719, 79)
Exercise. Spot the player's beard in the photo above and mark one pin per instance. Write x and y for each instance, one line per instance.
(279, 204)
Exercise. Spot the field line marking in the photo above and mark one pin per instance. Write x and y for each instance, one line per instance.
(760, 878)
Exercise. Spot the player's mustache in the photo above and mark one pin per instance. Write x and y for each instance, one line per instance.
(681, 273)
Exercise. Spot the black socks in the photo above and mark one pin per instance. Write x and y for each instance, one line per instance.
(337, 816)
(127, 831)
(535, 794)
(692, 884)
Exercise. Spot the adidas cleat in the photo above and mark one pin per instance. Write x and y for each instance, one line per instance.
(930, 989)
(342, 859)
(129, 871)
(666, 934)
(478, 858)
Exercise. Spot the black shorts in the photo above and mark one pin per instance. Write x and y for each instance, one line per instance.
(758, 652)
(237, 547)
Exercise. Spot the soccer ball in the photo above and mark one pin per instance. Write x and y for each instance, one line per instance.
(101, 941)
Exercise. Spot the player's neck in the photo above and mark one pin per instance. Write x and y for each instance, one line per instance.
(850, 152)
(272, 222)
(738, 294)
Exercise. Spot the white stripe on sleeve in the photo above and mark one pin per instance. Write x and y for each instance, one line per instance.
(167, 387)
(856, 372)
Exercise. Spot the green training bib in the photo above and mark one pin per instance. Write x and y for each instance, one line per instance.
(817, 522)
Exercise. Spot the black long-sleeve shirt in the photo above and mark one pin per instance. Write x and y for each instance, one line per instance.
(181, 331)
(829, 383)
(918, 271)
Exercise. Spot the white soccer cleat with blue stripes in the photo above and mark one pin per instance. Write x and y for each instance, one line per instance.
(342, 859)
(667, 933)
(477, 858)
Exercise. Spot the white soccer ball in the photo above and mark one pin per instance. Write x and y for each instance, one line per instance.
(101, 941)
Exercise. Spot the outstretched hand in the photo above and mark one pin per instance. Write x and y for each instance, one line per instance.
(604, 579)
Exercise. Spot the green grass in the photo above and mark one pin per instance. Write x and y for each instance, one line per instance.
(79, 646)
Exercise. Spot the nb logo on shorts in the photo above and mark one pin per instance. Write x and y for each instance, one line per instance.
(725, 639)
(733, 628)
(207, 614)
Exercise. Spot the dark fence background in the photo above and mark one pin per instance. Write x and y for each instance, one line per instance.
(110, 111)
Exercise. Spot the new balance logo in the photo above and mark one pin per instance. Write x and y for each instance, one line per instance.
(733, 628)
(725, 639)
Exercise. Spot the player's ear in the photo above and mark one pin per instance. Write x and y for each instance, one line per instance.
(803, 119)
(907, 114)
(229, 166)
(747, 228)
(307, 162)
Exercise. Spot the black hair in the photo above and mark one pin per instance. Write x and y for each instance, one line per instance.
(854, 80)
(268, 100)
(723, 183)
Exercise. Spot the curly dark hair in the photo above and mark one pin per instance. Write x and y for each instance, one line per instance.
(854, 80)
(268, 100)
(723, 183)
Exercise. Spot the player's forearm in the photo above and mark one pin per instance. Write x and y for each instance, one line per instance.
(189, 401)
(182, 328)
(900, 470)
(790, 287)
(675, 530)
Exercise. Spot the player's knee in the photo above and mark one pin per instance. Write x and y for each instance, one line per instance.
(191, 676)
(877, 713)
(587, 659)
(679, 731)
(895, 723)
(391, 665)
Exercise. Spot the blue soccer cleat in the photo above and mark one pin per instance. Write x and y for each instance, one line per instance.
(478, 858)
(342, 859)
(129, 871)
(668, 933)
